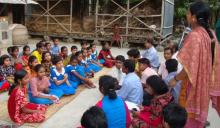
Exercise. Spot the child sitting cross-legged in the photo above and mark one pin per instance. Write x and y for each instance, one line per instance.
(96, 66)
(59, 78)
(6, 72)
(77, 73)
(105, 56)
(19, 109)
(39, 92)
(47, 62)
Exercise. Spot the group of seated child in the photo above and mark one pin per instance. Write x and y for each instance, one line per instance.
(140, 81)
(46, 74)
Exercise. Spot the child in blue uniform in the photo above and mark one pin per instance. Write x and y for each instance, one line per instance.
(96, 66)
(59, 78)
(77, 73)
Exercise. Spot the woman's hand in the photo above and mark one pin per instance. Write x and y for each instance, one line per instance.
(172, 83)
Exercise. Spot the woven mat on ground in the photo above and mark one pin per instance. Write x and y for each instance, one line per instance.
(52, 109)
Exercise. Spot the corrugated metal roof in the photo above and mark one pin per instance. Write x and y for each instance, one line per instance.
(18, 2)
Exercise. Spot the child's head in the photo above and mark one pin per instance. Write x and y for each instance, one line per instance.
(56, 41)
(133, 54)
(149, 42)
(170, 44)
(73, 60)
(119, 61)
(5, 60)
(79, 56)
(156, 86)
(64, 50)
(84, 52)
(74, 49)
(48, 46)
(39, 69)
(26, 50)
(128, 66)
(15, 51)
(168, 52)
(32, 62)
(143, 64)
(171, 65)
(9, 50)
(105, 45)
(94, 117)
(174, 116)
(107, 86)
(21, 79)
(46, 56)
(40, 47)
(89, 51)
(84, 44)
(58, 62)
(93, 46)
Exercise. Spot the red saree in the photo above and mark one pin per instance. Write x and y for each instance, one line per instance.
(201, 84)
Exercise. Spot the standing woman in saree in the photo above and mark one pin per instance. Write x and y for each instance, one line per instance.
(201, 68)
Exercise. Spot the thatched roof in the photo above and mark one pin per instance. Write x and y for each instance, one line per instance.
(18, 2)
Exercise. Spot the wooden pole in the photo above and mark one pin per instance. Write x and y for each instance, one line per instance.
(127, 21)
(96, 18)
(48, 6)
(71, 14)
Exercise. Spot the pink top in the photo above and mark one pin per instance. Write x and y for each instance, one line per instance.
(146, 74)
(38, 86)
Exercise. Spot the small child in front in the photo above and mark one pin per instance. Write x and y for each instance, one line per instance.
(105, 55)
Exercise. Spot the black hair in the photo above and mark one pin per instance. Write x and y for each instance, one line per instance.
(9, 50)
(3, 58)
(144, 61)
(38, 67)
(40, 45)
(78, 53)
(19, 75)
(94, 117)
(83, 42)
(25, 47)
(44, 56)
(120, 58)
(130, 65)
(31, 60)
(175, 116)
(147, 99)
(47, 43)
(92, 44)
(73, 47)
(63, 47)
(56, 59)
(104, 43)
(203, 13)
(107, 86)
(171, 65)
(133, 53)
(168, 49)
(14, 48)
(55, 39)
(157, 84)
(89, 48)
(150, 39)
(73, 57)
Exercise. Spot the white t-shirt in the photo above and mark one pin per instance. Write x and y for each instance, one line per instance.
(180, 66)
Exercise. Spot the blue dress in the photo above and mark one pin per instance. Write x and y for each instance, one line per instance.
(38, 100)
(93, 66)
(79, 69)
(55, 75)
